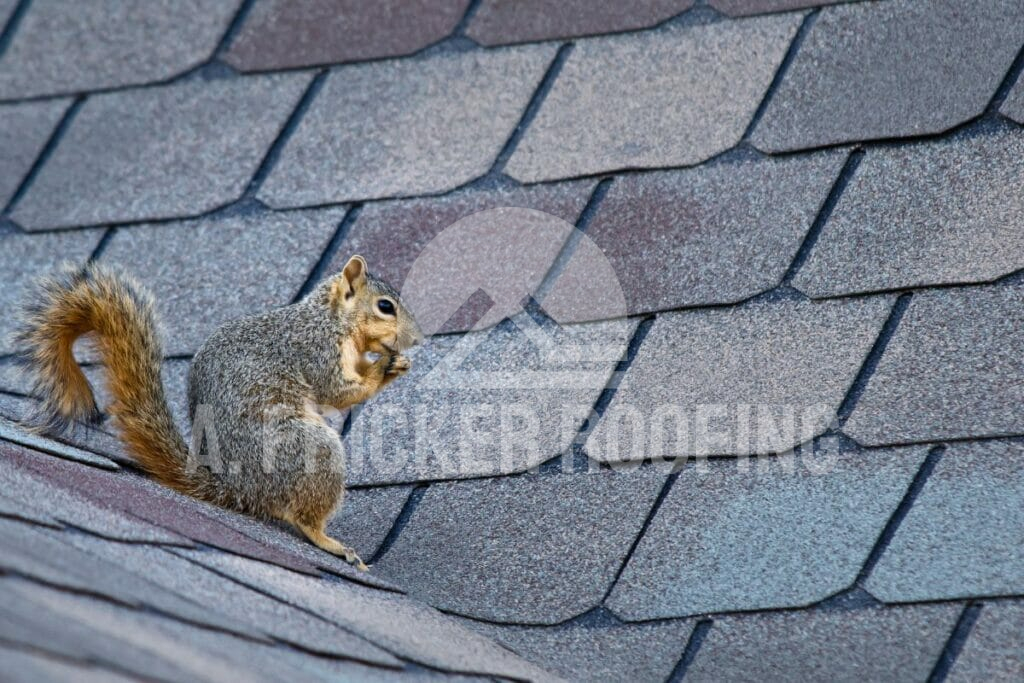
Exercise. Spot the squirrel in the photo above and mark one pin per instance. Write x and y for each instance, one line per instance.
(257, 377)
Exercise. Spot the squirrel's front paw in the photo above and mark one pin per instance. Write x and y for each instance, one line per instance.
(398, 365)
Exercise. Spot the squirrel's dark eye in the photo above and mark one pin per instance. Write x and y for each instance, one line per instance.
(385, 307)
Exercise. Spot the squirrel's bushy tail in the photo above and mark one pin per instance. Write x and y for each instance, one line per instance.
(121, 314)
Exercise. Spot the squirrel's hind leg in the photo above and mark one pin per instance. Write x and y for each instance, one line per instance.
(314, 531)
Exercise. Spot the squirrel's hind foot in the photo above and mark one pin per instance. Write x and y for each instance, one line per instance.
(332, 545)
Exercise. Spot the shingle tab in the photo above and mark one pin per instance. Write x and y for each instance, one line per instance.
(406, 127)
(259, 613)
(891, 69)
(710, 235)
(782, 532)
(206, 272)
(994, 651)
(499, 23)
(486, 403)
(936, 213)
(172, 151)
(756, 379)
(406, 628)
(24, 131)
(745, 8)
(521, 549)
(25, 257)
(500, 240)
(97, 44)
(962, 537)
(599, 652)
(953, 369)
(667, 98)
(884, 645)
(280, 34)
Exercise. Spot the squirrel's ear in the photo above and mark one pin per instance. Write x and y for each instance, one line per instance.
(351, 280)
(355, 273)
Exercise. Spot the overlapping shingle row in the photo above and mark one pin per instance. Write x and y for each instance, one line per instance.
(765, 300)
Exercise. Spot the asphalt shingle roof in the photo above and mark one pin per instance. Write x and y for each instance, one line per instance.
(799, 226)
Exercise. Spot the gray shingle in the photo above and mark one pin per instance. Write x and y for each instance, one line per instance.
(405, 127)
(782, 532)
(280, 34)
(11, 506)
(745, 8)
(65, 504)
(994, 651)
(24, 131)
(206, 272)
(367, 515)
(891, 69)
(6, 11)
(45, 555)
(962, 537)
(25, 257)
(709, 235)
(935, 213)
(486, 403)
(954, 368)
(30, 624)
(501, 23)
(96, 44)
(406, 628)
(23, 666)
(598, 652)
(15, 433)
(668, 98)
(1014, 104)
(531, 549)
(500, 240)
(203, 654)
(259, 613)
(172, 151)
(883, 645)
(756, 379)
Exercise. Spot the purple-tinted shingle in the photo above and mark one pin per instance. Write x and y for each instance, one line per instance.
(743, 8)
(282, 34)
(710, 235)
(499, 22)
(499, 241)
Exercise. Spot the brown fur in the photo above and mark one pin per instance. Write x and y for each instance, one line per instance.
(254, 374)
